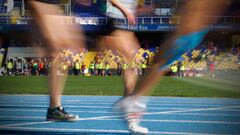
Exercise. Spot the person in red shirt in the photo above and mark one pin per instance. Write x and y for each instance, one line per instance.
(40, 67)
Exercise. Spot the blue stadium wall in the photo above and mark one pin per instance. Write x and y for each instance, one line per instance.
(97, 8)
(138, 28)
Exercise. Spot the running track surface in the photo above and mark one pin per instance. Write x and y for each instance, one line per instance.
(25, 114)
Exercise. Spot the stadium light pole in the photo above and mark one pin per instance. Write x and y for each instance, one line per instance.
(176, 4)
(70, 7)
(23, 7)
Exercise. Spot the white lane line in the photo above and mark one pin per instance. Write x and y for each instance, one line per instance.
(237, 102)
(22, 117)
(108, 103)
(18, 110)
(194, 121)
(102, 107)
(117, 116)
(109, 112)
(41, 110)
(209, 114)
(45, 122)
(33, 117)
(99, 131)
(106, 118)
(185, 121)
(192, 110)
(24, 124)
(45, 106)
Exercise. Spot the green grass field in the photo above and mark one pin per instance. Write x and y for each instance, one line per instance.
(81, 85)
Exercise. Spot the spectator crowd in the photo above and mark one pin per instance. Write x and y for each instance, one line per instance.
(112, 63)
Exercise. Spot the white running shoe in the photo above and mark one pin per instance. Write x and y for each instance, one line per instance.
(133, 110)
(136, 129)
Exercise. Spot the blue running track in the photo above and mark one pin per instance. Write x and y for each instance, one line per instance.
(25, 114)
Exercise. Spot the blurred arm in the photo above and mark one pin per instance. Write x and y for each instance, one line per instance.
(130, 17)
(54, 26)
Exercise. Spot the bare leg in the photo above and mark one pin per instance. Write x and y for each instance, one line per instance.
(56, 83)
(193, 21)
(123, 41)
(127, 43)
(58, 35)
(130, 80)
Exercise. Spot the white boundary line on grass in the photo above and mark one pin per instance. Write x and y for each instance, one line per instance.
(117, 116)
(104, 96)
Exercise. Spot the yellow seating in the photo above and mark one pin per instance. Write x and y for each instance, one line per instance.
(89, 57)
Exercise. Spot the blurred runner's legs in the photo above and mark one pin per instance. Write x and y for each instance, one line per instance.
(127, 44)
(122, 40)
(57, 35)
(196, 17)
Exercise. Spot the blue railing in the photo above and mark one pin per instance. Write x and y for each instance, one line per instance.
(144, 23)
(177, 20)
(7, 19)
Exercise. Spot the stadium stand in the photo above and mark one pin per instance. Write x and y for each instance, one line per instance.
(3, 8)
(223, 61)
(89, 58)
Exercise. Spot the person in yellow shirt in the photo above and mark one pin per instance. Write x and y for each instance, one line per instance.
(108, 69)
(144, 68)
(174, 70)
(92, 68)
(77, 68)
(9, 67)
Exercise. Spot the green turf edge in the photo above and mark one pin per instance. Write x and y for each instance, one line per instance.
(82, 85)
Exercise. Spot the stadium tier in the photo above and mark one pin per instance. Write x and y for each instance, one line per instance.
(2, 7)
(161, 18)
(222, 61)
(89, 57)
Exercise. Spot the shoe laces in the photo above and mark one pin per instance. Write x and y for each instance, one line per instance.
(61, 109)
